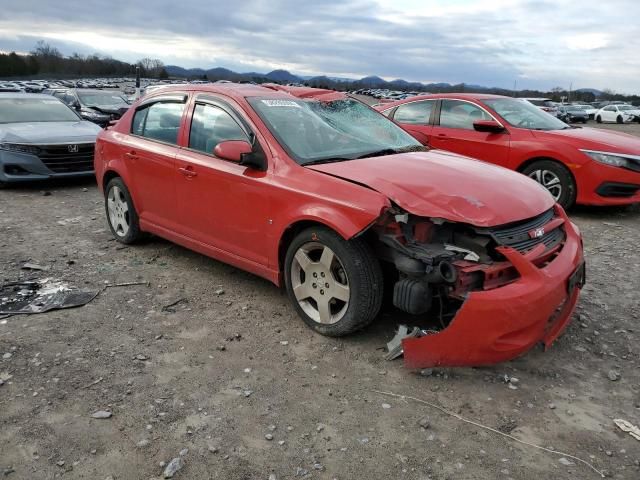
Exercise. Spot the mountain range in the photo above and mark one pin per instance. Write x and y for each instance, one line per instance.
(283, 76)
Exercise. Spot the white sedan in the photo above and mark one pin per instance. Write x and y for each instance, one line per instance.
(618, 114)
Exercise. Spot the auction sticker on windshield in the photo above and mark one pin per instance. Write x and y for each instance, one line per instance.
(280, 103)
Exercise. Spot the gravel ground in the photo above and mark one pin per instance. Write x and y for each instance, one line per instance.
(234, 381)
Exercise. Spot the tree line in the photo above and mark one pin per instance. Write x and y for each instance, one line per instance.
(45, 59)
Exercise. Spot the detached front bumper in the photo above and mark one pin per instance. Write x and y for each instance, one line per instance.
(497, 325)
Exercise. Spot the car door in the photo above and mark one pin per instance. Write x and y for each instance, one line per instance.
(222, 204)
(149, 153)
(415, 118)
(609, 113)
(454, 131)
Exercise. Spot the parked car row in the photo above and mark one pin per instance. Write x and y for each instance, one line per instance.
(385, 94)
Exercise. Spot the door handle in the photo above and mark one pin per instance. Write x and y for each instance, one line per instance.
(188, 172)
(131, 155)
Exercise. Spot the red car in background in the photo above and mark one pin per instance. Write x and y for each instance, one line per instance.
(576, 165)
(315, 191)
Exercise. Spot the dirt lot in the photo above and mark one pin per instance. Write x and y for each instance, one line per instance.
(221, 373)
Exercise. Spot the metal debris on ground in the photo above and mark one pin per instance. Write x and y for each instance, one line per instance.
(34, 266)
(628, 427)
(38, 296)
(394, 347)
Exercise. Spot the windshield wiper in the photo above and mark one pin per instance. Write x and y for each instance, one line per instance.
(393, 151)
(319, 161)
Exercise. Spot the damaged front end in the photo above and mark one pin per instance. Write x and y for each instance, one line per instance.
(494, 292)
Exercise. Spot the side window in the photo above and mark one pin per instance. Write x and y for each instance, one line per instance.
(459, 114)
(210, 126)
(414, 112)
(610, 109)
(159, 121)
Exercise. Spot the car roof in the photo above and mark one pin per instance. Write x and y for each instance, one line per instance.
(240, 91)
(25, 95)
(436, 96)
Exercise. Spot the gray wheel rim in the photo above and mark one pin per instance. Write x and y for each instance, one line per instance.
(118, 209)
(320, 284)
(548, 180)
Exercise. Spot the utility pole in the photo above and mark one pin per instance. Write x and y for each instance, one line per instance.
(137, 95)
(570, 87)
(515, 86)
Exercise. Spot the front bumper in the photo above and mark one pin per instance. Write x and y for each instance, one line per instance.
(22, 167)
(497, 325)
(590, 178)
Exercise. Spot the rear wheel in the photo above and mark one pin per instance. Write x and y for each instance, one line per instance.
(121, 213)
(334, 284)
(599, 119)
(556, 178)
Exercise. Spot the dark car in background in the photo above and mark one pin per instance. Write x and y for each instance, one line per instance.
(42, 138)
(97, 106)
(572, 114)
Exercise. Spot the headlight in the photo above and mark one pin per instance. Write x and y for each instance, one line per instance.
(632, 162)
(20, 148)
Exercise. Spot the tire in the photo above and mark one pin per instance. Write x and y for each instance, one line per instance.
(619, 119)
(121, 212)
(599, 119)
(353, 274)
(546, 172)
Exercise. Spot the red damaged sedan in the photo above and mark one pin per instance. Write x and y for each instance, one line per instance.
(318, 192)
(577, 165)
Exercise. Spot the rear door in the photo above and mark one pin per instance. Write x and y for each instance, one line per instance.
(150, 153)
(454, 131)
(222, 204)
(415, 118)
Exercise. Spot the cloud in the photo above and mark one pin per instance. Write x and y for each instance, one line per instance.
(541, 43)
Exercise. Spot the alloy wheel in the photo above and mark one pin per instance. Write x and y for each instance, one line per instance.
(320, 284)
(548, 180)
(118, 211)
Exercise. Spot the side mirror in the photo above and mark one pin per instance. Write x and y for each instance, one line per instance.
(232, 150)
(488, 126)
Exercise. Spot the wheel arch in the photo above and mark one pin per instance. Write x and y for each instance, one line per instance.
(521, 168)
(294, 228)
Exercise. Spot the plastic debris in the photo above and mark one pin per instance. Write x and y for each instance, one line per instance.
(628, 427)
(394, 347)
(38, 296)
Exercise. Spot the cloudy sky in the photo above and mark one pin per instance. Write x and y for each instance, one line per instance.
(536, 43)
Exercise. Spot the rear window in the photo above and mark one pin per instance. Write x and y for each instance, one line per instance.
(31, 110)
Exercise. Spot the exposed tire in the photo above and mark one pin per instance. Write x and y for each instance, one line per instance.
(121, 212)
(599, 119)
(619, 119)
(335, 285)
(556, 178)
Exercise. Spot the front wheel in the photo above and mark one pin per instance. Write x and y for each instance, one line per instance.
(121, 213)
(335, 285)
(556, 178)
(599, 119)
(619, 119)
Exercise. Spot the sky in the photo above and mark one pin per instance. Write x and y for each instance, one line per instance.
(538, 44)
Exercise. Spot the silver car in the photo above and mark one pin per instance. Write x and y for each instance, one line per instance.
(42, 138)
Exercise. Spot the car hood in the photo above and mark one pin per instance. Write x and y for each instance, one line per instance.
(49, 132)
(444, 185)
(594, 139)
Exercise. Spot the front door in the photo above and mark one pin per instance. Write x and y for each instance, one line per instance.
(222, 204)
